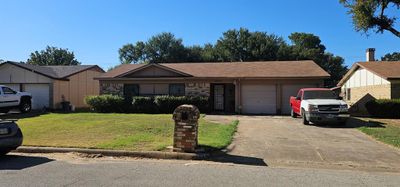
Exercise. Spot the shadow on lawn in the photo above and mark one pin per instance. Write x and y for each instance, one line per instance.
(13, 115)
(354, 123)
(18, 162)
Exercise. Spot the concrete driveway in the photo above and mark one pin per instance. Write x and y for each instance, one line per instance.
(284, 141)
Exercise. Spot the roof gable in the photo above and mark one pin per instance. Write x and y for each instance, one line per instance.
(55, 72)
(152, 71)
(385, 69)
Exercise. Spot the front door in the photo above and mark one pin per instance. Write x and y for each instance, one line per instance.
(130, 90)
(219, 97)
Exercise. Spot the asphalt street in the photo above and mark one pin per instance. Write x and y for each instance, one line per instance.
(69, 170)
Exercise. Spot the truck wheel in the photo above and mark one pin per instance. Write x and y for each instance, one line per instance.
(303, 114)
(293, 114)
(25, 106)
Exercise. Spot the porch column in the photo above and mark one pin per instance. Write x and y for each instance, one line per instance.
(238, 96)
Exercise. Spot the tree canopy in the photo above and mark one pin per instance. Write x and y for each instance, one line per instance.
(160, 48)
(53, 56)
(235, 46)
(373, 15)
(391, 57)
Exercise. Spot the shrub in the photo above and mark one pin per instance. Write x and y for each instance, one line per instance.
(167, 104)
(140, 104)
(384, 108)
(144, 105)
(106, 103)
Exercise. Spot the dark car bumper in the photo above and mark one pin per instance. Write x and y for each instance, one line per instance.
(327, 118)
(11, 143)
(11, 140)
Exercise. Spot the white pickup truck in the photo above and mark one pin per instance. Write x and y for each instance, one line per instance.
(319, 105)
(10, 99)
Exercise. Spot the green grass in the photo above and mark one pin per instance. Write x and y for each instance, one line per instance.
(389, 133)
(139, 132)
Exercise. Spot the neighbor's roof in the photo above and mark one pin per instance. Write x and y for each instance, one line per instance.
(266, 69)
(54, 72)
(384, 69)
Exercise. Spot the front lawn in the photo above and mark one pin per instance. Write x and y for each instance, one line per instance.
(139, 132)
(387, 132)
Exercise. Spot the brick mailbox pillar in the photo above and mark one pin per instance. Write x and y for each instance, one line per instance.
(186, 126)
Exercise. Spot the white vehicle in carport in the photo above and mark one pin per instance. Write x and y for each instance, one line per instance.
(11, 99)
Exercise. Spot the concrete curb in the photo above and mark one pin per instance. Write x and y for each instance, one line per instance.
(116, 153)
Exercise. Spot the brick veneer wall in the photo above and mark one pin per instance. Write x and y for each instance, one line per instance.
(361, 95)
(197, 89)
(186, 128)
(112, 88)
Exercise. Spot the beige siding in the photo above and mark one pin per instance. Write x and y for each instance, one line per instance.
(76, 89)
(14, 74)
(362, 77)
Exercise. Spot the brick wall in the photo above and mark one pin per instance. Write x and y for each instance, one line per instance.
(111, 88)
(197, 89)
(361, 95)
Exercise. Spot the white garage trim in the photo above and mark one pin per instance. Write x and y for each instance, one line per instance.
(40, 95)
(258, 98)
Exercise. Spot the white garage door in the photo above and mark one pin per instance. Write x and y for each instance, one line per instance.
(290, 90)
(40, 95)
(12, 86)
(258, 99)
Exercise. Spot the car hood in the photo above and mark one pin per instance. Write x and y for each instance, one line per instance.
(326, 102)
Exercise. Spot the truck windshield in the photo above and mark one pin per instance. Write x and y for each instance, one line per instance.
(319, 94)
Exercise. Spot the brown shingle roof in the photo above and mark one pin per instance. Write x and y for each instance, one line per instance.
(385, 69)
(267, 69)
(54, 72)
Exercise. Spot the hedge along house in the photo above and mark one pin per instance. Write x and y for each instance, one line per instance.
(50, 85)
(241, 87)
(370, 80)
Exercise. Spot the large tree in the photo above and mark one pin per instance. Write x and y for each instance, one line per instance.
(374, 15)
(307, 46)
(160, 48)
(53, 56)
(243, 45)
(234, 46)
(391, 57)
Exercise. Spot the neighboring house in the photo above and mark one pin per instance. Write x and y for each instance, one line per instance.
(241, 87)
(50, 85)
(370, 80)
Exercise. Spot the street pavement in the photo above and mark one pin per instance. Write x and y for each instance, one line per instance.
(76, 170)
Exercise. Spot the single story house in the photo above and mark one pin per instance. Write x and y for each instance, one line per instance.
(370, 80)
(241, 87)
(50, 85)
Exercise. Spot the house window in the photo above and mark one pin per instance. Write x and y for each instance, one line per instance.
(348, 94)
(177, 89)
(130, 90)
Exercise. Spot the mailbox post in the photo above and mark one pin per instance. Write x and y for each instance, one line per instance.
(186, 126)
